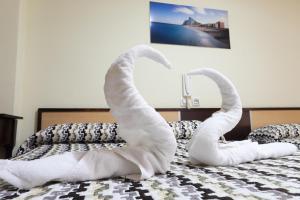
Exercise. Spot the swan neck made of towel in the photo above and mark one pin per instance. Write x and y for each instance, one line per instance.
(151, 142)
(231, 108)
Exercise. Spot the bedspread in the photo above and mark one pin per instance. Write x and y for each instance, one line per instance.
(264, 179)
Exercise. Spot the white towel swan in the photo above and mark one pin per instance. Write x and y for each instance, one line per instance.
(204, 147)
(151, 142)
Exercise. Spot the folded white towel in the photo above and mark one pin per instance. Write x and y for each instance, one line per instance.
(71, 166)
(204, 147)
(151, 142)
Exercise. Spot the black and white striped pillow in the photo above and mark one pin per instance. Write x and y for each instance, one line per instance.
(277, 133)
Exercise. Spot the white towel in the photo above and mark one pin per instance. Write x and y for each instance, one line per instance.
(151, 142)
(204, 147)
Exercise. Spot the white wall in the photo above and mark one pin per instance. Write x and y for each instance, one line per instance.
(70, 45)
(9, 15)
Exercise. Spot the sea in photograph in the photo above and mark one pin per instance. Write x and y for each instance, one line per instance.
(183, 35)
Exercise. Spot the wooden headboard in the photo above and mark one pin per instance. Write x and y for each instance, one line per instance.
(252, 117)
(266, 116)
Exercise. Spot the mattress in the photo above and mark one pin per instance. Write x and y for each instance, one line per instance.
(264, 179)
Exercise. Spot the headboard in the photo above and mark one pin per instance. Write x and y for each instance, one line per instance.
(266, 116)
(251, 118)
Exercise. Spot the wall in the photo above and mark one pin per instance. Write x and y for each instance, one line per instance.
(70, 45)
(9, 15)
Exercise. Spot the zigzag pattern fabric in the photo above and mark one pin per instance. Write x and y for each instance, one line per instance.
(267, 179)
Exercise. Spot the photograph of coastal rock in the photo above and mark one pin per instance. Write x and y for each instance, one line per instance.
(187, 25)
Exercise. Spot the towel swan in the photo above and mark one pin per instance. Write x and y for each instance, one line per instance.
(151, 142)
(204, 147)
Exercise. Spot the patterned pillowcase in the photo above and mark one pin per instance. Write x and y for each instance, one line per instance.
(79, 133)
(276, 133)
(184, 129)
(72, 133)
(93, 133)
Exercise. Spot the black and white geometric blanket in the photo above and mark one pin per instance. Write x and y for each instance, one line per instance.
(264, 179)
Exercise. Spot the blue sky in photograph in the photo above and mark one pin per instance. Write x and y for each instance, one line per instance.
(176, 14)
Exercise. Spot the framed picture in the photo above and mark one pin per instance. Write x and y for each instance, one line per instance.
(187, 25)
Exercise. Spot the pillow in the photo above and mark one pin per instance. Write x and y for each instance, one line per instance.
(93, 133)
(72, 133)
(277, 133)
(184, 129)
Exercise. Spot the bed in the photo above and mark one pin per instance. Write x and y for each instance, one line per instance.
(91, 129)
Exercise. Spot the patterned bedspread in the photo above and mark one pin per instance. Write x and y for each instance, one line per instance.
(265, 179)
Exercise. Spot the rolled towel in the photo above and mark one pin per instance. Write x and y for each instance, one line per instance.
(204, 147)
(70, 166)
(151, 142)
